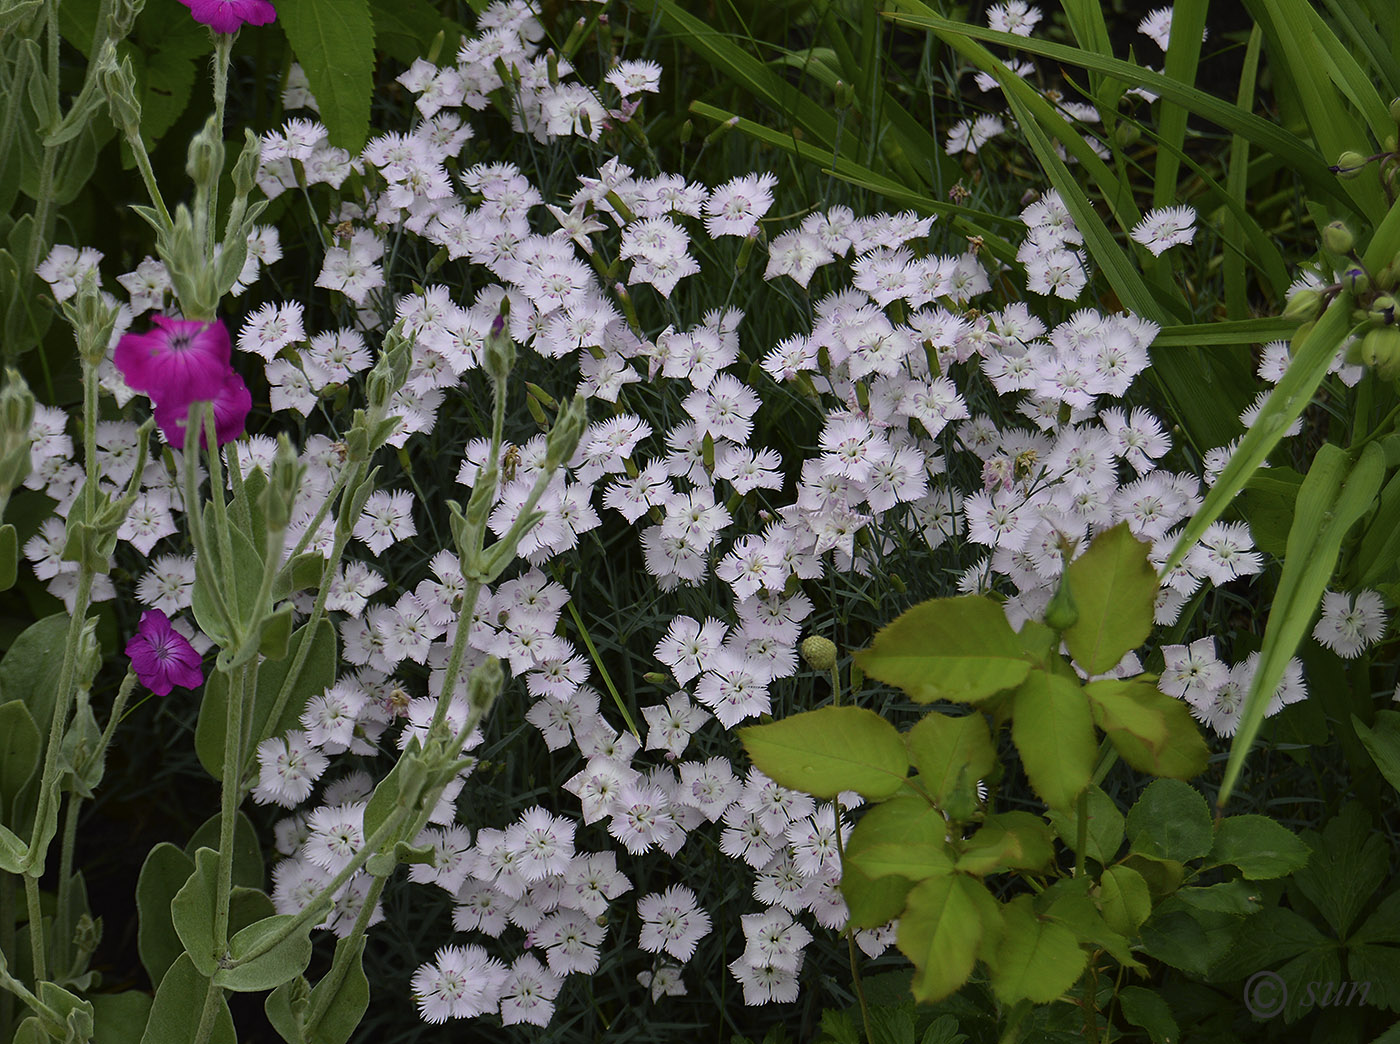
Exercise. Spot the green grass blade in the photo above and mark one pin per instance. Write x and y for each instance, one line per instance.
(1366, 39)
(1294, 152)
(1326, 509)
(1296, 58)
(1183, 56)
(1288, 399)
(967, 220)
(1351, 79)
(1243, 331)
(1237, 183)
(745, 70)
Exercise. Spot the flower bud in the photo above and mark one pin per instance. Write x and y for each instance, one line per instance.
(280, 494)
(1127, 135)
(485, 683)
(1380, 350)
(246, 168)
(205, 160)
(564, 437)
(1395, 110)
(819, 653)
(1383, 309)
(1349, 165)
(16, 418)
(1356, 280)
(1303, 305)
(93, 317)
(1337, 238)
(498, 356)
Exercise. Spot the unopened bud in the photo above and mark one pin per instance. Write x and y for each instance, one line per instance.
(1383, 309)
(280, 494)
(1349, 165)
(16, 417)
(485, 683)
(1127, 134)
(1303, 305)
(246, 168)
(1356, 280)
(1395, 110)
(498, 356)
(1337, 238)
(564, 437)
(819, 653)
(205, 160)
(655, 678)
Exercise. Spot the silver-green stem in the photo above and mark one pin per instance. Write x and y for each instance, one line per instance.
(230, 794)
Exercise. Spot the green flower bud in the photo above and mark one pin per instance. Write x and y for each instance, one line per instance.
(280, 494)
(246, 168)
(1337, 238)
(1395, 110)
(1356, 280)
(655, 678)
(16, 417)
(1383, 309)
(564, 437)
(818, 653)
(205, 160)
(1349, 165)
(485, 683)
(498, 356)
(1380, 350)
(1127, 135)
(92, 317)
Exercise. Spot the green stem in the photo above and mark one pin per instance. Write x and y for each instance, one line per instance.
(208, 1014)
(63, 916)
(242, 512)
(220, 508)
(339, 969)
(36, 927)
(1083, 832)
(856, 982)
(230, 793)
(118, 705)
(7, 944)
(316, 908)
(223, 46)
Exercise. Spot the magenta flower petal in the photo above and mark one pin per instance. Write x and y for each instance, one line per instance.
(162, 657)
(228, 16)
(232, 404)
(181, 361)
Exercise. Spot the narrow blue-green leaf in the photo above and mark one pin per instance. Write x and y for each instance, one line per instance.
(965, 219)
(1183, 56)
(1350, 78)
(1360, 26)
(1287, 400)
(1241, 331)
(1297, 154)
(1237, 182)
(744, 69)
(1297, 58)
(1323, 517)
(334, 42)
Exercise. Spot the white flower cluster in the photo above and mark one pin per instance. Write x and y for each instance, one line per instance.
(895, 359)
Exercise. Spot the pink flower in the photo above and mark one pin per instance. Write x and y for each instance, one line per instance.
(162, 657)
(228, 16)
(180, 361)
(232, 403)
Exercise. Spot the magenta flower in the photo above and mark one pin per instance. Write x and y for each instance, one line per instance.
(232, 403)
(162, 657)
(181, 361)
(228, 16)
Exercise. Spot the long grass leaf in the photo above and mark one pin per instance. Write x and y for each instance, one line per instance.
(1292, 151)
(967, 220)
(1237, 182)
(1244, 331)
(745, 70)
(1296, 57)
(1324, 512)
(1365, 38)
(1287, 400)
(1183, 56)
(1351, 79)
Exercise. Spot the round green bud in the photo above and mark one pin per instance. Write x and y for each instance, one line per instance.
(1337, 238)
(1303, 305)
(1349, 164)
(1395, 110)
(819, 653)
